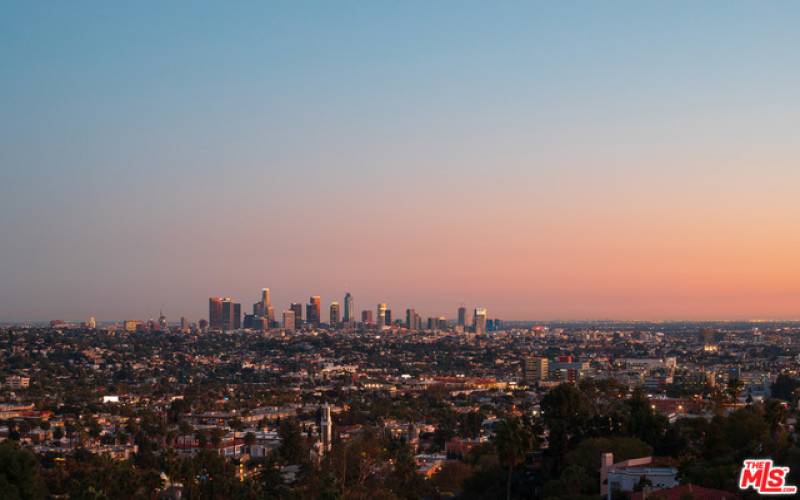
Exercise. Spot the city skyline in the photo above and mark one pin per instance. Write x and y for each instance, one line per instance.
(459, 314)
(546, 161)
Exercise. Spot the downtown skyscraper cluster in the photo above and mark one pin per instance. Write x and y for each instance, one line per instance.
(225, 315)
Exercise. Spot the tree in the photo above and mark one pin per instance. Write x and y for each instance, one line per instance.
(470, 424)
(403, 479)
(450, 478)
(735, 387)
(292, 449)
(18, 473)
(513, 440)
(566, 412)
(644, 422)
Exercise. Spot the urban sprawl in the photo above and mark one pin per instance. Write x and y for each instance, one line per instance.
(391, 405)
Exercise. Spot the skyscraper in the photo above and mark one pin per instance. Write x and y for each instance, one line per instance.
(366, 317)
(411, 319)
(326, 427)
(349, 309)
(224, 314)
(265, 298)
(462, 317)
(334, 314)
(479, 321)
(289, 322)
(381, 318)
(269, 312)
(314, 310)
(215, 313)
(297, 309)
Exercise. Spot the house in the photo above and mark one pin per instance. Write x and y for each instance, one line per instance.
(626, 475)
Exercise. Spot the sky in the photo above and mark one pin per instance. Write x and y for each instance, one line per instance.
(545, 160)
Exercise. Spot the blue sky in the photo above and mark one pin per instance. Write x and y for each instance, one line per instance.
(154, 154)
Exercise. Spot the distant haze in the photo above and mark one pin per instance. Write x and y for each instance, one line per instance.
(629, 160)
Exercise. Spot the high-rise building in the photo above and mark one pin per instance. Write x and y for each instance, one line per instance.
(184, 324)
(334, 315)
(462, 317)
(215, 313)
(381, 318)
(411, 319)
(289, 322)
(224, 314)
(249, 322)
(91, 324)
(388, 317)
(349, 309)
(479, 321)
(297, 309)
(326, 428)
(263, 308)
(265, 298)
(314, 310)
(535, 369)
(366, 317)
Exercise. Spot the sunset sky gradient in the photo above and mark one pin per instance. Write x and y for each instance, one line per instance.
(559, 160)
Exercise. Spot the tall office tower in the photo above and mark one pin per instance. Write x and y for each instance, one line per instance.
(269, 311)
(479, 321)
(462, 317)
(289, 320)
(297, 309)
(388, 317)
(366, 317)
(314, 310)
(263, 306)
(441, 323)
(224, 314)
(249, 322)
(326, 427)
(215, 313)
(535, 369)
(334, 314)
(265, 298)
(349, 310)
(184, 324)
(411, 319)
(91, 324)
(381, 318)
(162, 322)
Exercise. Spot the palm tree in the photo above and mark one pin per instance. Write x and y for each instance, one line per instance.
(513, 440)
